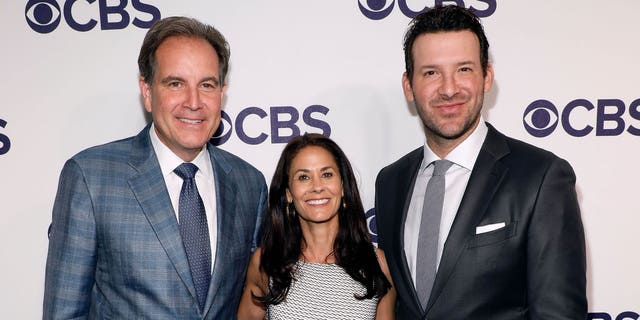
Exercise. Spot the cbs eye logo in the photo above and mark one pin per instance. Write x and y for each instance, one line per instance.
(371, 224)
(44, 16)
(375, 9)
(380, 9)
(540, 118)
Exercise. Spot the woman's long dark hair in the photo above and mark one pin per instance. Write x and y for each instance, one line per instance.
(282, 236)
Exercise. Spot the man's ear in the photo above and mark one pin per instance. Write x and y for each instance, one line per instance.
(406, 87)
(488, 78)
(145, 91)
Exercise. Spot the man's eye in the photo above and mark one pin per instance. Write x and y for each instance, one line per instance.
(174, 84)
(207, 85)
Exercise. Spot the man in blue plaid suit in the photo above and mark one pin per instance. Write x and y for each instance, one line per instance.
(115, 249)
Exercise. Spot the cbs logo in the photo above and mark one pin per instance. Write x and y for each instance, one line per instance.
(283, 122)
(578, 117)
(627, 315)
(371, 224)
(44, 16)
(5, 143)
(380, 9)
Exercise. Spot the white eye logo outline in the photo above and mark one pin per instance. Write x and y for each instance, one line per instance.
(540, 118)
(43, 16)
(376, 9)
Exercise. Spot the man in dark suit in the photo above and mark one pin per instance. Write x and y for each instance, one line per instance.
(508, 241)
(133, 239)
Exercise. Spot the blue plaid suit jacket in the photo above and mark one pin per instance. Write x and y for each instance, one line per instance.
(115, 250)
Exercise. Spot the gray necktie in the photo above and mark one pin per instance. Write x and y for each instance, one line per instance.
(426, 261)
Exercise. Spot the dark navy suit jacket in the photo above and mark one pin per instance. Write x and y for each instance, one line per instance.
(533, 268)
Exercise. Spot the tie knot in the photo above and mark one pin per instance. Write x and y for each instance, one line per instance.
(186, 170)
(441, 167)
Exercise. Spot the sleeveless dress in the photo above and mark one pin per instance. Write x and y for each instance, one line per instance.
(323, 291)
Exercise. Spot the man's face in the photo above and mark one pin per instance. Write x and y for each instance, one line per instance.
(185, 94)
(448, 85)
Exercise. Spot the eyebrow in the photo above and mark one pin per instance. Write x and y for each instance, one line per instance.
(170, 79)
(176, 78)
(435, 66)
(466, 63)
(321, 169)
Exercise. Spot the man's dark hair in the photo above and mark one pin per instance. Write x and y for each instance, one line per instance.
(185, 27)
(444, 19)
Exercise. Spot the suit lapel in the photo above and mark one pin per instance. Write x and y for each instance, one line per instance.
(225, 205)
(485, 179)
(151, 191)
(404, 191)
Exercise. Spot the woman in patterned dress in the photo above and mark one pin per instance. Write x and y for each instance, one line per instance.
(316, 260)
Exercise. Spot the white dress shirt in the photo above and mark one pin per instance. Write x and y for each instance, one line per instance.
(456, 178)
(204, 181)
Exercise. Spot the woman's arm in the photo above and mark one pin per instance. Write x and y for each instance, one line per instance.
(257, 284)
(386, 305)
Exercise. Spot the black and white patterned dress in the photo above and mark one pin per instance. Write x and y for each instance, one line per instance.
(323, 291)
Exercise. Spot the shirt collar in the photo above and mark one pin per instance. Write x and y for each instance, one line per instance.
(169, 161)
(465, 154)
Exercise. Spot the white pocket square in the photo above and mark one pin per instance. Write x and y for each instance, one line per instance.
(489, 227)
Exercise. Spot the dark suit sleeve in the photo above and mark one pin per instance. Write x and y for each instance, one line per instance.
(72, 249)
(556, 268)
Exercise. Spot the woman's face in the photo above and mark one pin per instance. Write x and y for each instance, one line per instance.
(315, 185)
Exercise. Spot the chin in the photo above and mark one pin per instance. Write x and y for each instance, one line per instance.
(320, 218)
(195, 142)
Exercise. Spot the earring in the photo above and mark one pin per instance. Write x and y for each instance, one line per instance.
(344, 204)
(291, 213)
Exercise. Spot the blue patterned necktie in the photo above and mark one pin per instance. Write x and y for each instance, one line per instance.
(427, 257)
(194, 231)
